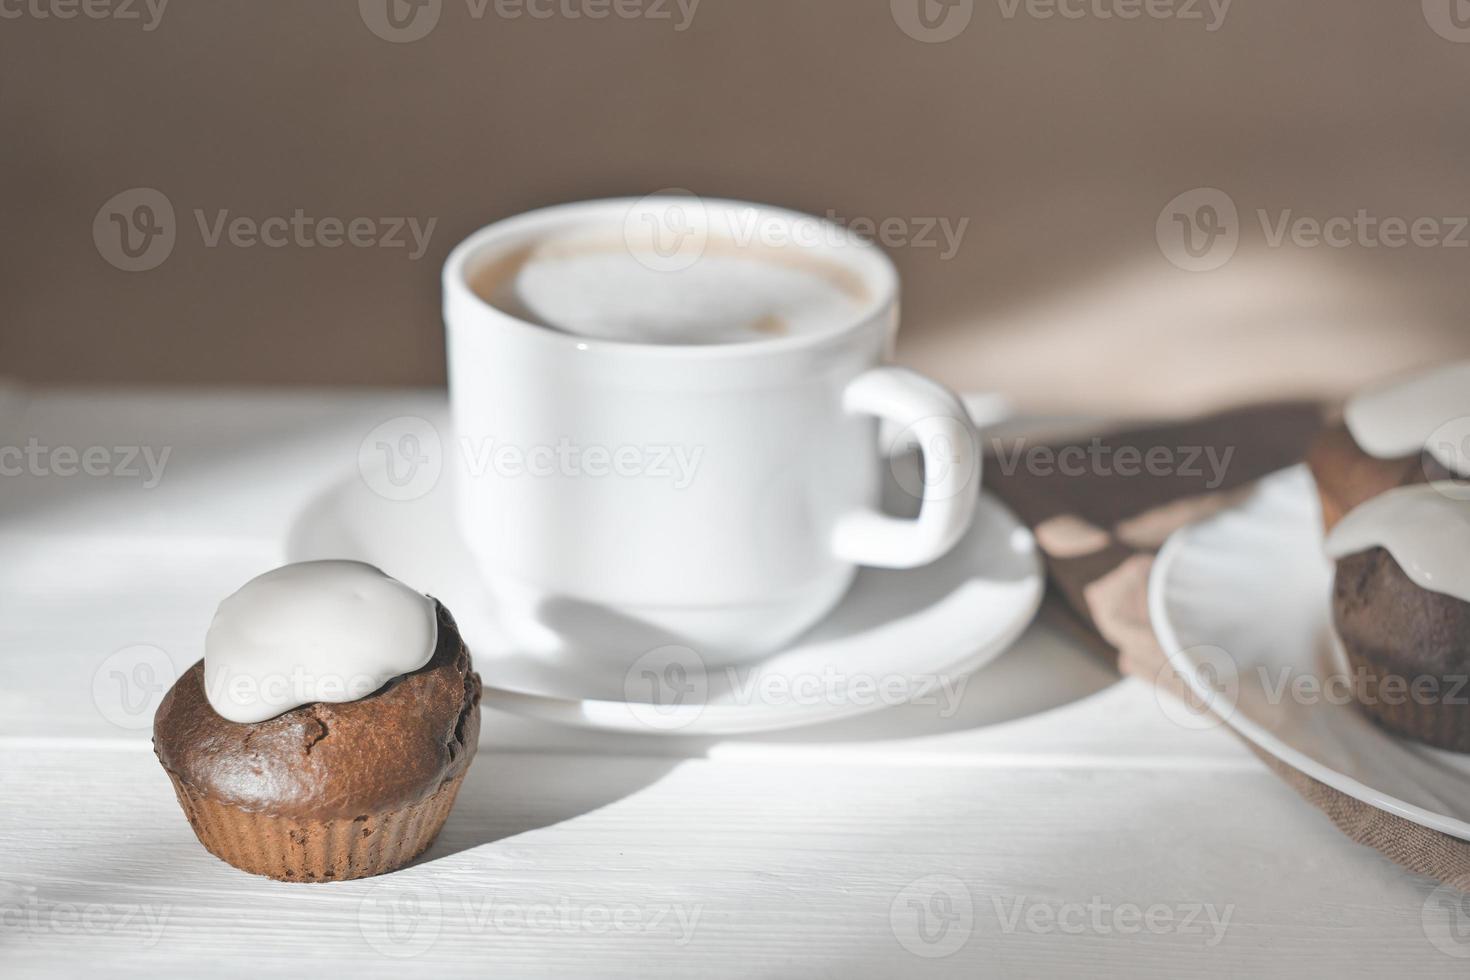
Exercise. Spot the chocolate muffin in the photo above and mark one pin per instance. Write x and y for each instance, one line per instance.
(1408, 647)
(1346, 476)
(326, 791)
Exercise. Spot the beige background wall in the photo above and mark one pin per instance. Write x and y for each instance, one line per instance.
(1058, 139)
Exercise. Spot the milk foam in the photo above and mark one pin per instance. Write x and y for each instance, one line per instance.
(610, 290)
(315, 631)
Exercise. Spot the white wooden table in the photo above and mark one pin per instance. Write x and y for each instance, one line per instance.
(1058, 823)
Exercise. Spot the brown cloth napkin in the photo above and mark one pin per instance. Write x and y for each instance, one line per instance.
(1102, 507)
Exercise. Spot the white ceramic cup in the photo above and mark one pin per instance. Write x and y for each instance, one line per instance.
(586, 543)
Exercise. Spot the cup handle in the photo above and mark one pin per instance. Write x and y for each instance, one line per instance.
(934, 417)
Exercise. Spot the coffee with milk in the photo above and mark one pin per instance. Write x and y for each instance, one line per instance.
(604, 285)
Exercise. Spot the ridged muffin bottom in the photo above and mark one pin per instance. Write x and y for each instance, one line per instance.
(293, 849)
(1442, 725)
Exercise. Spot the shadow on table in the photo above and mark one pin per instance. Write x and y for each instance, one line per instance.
(1052, 666)
(506, 795)
(510, 793)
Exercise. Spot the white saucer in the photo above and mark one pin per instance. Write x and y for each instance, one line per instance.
(1240, 601)
(896, 636)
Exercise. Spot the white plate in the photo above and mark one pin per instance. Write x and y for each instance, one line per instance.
(1240, 603)
(893, 638)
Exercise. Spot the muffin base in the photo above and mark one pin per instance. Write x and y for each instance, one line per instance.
(292, 849)
(1444, 726)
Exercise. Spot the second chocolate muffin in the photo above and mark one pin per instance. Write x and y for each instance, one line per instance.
(1409, 649)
